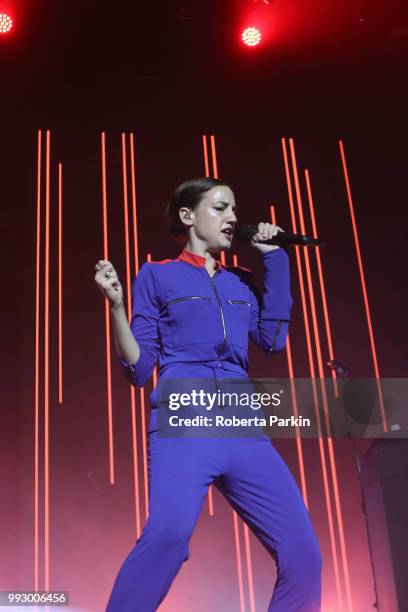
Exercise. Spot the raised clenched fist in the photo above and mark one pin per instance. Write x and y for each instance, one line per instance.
(108, 282)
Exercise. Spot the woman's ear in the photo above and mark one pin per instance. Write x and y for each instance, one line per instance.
(185, 214)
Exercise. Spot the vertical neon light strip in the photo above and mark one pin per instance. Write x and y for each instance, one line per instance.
(321, 282)
(249, 568)
(132, 389)
(60, 283)
(214, 156)
(37, 368)
(141, 390)
(207, 173)
(239, 562)
(215, 168)
(313, 376)
(363, 286)
(295, 409)
(332, 457)
(206, 165)
(128, 281)
(107, 313)
(295, 406)
(46, 368)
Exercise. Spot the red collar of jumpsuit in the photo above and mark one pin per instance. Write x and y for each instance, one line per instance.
(197, 260)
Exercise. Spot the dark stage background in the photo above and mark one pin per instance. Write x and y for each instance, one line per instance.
(170, 73)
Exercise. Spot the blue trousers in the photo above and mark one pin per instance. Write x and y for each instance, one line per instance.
(257, 483)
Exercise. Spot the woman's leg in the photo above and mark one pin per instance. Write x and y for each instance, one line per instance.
(261, 488)
(180, 472)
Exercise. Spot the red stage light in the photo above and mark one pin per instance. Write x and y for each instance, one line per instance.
(251, 37)
(6, 23)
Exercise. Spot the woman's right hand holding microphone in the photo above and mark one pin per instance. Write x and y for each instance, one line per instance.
(108, 282)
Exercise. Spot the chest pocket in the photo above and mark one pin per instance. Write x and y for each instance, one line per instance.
(191, 320)
(239, 316)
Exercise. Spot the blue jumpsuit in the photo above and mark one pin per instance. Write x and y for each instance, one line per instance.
(198, 326)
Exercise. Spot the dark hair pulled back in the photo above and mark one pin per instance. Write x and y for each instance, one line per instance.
(188, 194)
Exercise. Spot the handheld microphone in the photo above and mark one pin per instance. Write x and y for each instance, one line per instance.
(245, 233)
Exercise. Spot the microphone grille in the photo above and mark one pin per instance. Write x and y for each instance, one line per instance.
(243, 232)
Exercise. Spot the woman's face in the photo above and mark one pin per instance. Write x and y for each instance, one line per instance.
(214, 214)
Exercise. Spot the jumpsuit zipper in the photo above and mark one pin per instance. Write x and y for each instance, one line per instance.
(190, 297)
(276, 336)
(219, 303)
(217, 381)
(238, 302)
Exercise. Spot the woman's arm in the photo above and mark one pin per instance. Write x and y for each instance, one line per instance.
(270, 311)
(137, 343)
(126, 345)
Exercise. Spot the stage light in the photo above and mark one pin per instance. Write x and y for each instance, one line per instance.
(251, 37)
(6, 23)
